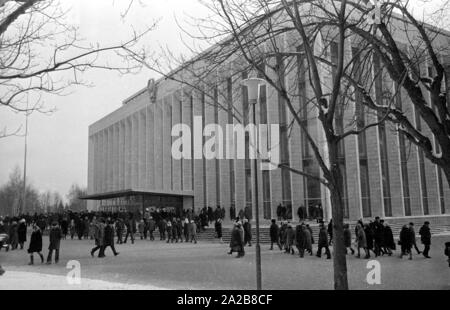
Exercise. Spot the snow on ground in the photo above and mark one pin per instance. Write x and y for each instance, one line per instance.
(19, 280)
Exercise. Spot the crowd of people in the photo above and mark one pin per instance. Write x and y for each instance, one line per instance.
(375, 237)
(106, 229)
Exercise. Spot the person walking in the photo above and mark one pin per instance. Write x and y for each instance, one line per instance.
(218, 228)
(72, 228)
(55, 236)
(300, 239)
(99, 237)
(413, 235)
(141, 229)
(406, 241)
(361, 240)
(237, 241)
(425, 237)
(109, 239)
(348, 238)
(274, 235)
(193, 231)
(151, 228)
(290, 236)
(330, 232)
(247, 226)
(323, 241)
(389, 243)
(35, 244)
(131, 229)
(22, 233)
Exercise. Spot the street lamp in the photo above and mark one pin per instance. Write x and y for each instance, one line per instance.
(253, 85)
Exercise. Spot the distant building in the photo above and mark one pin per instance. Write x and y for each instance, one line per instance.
(131, 166)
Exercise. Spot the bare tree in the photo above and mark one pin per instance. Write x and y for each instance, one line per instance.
(40, 52)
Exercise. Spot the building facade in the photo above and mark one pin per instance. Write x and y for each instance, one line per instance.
(131, 164)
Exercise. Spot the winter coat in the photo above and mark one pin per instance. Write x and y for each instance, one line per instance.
(192, 227)
(406, 238)
(22, 232)
(369, 237)
(247, 232)
(109, 235)
(311, 234)
(323, 237)
(425, 235)
(35, 242)
(55, 236)
(389, 238)
(218, 227)
(99, 234)
(308, 239)
(151, 225)
(347, 237)
(274, 231)
(379, 233)
(300, 237)
(361, 237)
(236, 243)
(290, 236)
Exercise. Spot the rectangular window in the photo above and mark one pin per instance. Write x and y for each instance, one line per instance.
(230, 121)
(191, 115)
(203, 101)
(311, 187)
(403, 160)
(247, 162)
(284, 145)
(339, 124)
(216, 121)
(267, 198)
(380, 98)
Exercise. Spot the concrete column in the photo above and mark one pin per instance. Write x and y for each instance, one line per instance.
(128, 160)
(121, 153)
(134, 151)
(150, 148)
(142, 166)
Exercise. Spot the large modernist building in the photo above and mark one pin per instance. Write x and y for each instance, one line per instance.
(131, 166)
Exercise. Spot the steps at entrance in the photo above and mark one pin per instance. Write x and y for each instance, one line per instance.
(209, 233)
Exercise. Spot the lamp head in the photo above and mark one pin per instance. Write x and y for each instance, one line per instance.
(253, 85)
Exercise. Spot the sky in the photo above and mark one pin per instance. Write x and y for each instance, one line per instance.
(58, 143)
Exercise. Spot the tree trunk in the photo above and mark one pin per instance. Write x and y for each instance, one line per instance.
(337, 211)
(446, 169)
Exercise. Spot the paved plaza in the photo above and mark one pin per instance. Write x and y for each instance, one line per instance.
(206, 265)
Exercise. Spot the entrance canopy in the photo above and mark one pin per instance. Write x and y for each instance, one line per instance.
(131, 192)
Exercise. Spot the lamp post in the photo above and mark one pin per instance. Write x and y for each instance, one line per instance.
(253, 85)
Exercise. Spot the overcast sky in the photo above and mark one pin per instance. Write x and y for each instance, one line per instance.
(58, 144)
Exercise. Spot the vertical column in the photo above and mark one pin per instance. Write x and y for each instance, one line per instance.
(91, 163)
(135, 150)
(199, 200)
(158, 145)
(150, 148)
(121, 155)
(142, 148)
(110, 159)
(187, 119)
(177, 173)
(127, 151)
(116, 157)
(210, 163)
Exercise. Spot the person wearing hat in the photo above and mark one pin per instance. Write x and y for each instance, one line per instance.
(109, 239)
(237, 241)
(55, 236)
(425, 237)
(274, 234)
(323, 241)
(35, 244)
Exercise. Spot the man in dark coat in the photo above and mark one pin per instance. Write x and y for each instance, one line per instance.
(99, 236)
(247, 232)
(323, 241)
(131, 229)
(237, 241)
(279, 211)
(151, 228)
(35, 244)
(406, 241)
(232, 213)
(109, 239)
(378, 234)
(388, 239)
(22, 232)
(274, 234)
(300, 239)
(218, 229)
(425, 237)
(55, 236)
